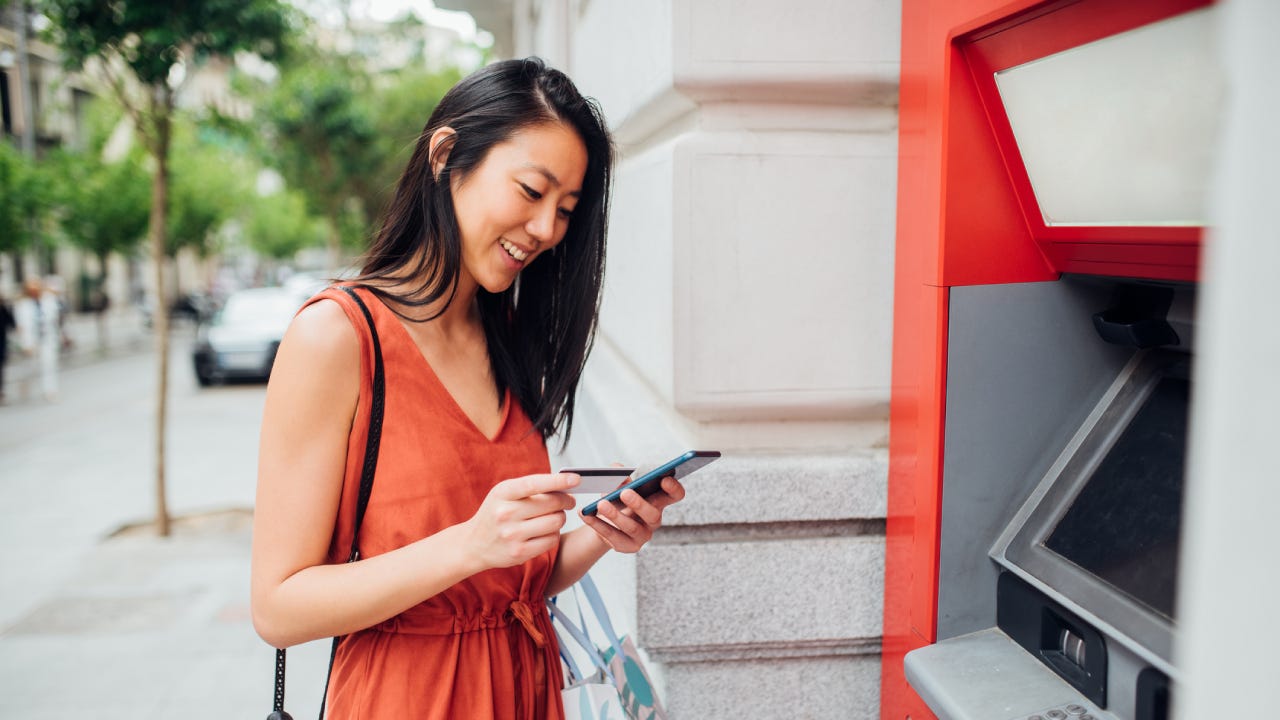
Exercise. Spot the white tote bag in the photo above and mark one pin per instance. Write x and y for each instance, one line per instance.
(585, 696)
(618, 667)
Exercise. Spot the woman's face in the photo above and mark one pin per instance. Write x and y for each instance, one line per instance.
(516, 204)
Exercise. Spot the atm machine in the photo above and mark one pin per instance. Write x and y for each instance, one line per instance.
(1054, 160)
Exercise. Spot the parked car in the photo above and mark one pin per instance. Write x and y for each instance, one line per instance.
(241, 339)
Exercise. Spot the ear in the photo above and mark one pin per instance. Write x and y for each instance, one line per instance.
(441, 143)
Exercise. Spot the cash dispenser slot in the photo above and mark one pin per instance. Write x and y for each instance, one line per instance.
(1065, 643)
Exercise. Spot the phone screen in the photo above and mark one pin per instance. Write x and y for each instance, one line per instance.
(651, 482)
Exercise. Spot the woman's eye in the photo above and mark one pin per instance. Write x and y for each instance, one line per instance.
(566, 213)
(533, 194)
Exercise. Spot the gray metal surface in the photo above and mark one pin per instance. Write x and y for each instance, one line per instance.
(1092, 598)
(1024, 369)
(987, 676)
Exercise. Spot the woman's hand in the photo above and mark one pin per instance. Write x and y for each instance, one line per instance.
(627, 529)
(519, 519)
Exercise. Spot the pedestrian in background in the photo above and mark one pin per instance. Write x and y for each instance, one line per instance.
(6, 324)
(38, 317)
(484, 285)
(55, 286)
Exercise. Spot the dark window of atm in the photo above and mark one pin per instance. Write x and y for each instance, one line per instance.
(1123, 525)
(1100, 535)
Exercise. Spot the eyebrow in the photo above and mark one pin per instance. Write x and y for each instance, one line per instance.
(548, 175)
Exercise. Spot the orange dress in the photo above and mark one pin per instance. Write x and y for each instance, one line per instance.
(484, 648)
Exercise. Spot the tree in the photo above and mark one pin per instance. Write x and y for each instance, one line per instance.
(102, 205)
(208, 187)
(25, 199)
(279, 225)
(405, 99)
(142, 47)
(323, 136)
(103, 209)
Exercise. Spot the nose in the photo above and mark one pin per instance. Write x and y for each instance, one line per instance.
(542, 224)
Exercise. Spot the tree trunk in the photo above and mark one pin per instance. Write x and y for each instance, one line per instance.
(161, 106)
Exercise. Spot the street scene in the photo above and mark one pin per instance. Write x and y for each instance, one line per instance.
(111, 620)
(952, 305)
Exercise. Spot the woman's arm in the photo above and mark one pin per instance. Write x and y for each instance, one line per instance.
(626, 530)
(310, 403)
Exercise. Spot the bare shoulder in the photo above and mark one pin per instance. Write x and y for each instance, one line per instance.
(323, 326)
(320, 347)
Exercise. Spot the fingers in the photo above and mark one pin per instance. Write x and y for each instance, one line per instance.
(534, 528)
(646, 509)
(672, 493)
(509, 532)
(535, 495)
(642, 517)
(520, 551)
(650, 509)
(611, 535)
(530, 485)
(627, 528)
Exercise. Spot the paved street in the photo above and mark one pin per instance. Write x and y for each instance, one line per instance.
(98, 617)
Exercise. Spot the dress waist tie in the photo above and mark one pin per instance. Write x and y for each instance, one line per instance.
(528, 648)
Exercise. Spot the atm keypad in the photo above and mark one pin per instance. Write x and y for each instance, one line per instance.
(1068, 711)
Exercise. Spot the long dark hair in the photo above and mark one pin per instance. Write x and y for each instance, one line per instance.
(540, 330)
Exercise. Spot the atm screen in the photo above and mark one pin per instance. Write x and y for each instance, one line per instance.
(1123, 525)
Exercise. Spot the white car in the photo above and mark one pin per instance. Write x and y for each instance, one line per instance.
(241, 339)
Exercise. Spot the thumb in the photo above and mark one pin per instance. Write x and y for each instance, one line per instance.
(647, 466)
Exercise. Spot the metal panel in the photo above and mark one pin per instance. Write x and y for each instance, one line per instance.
(1024, 368)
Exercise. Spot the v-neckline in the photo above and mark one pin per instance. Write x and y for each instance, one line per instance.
(444, 389)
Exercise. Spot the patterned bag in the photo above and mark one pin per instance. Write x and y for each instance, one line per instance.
(619, 681)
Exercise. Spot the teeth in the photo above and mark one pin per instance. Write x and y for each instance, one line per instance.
(513, 251)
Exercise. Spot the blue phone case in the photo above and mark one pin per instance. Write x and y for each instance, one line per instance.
(651, 482)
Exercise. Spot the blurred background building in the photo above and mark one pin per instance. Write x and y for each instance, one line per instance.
(42, 107)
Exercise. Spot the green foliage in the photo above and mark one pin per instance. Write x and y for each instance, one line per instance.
(279, 225)
(323, 130)
(209, 185)
(150, 36)
(104, 207)
(343, 136)
(26, 196)
(405, 99)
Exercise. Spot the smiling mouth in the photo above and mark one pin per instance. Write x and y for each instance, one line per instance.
(513, 251)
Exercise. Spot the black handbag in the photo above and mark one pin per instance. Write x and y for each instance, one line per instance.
(362, 501)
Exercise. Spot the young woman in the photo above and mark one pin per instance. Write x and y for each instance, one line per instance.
(484, 285)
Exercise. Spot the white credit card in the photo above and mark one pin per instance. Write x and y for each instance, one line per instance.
(599, 480)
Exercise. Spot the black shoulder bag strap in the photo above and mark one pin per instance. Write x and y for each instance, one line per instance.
(362, 500)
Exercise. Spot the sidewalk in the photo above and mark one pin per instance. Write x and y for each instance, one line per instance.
(154, 628)
(109, 622)
(122, 331)
(92, 339)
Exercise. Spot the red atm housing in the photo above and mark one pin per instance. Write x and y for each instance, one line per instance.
(967, 215)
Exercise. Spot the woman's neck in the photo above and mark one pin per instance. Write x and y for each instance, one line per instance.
(454, 315)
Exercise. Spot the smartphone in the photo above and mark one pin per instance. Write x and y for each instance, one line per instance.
(598, 480)
(651, 482)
